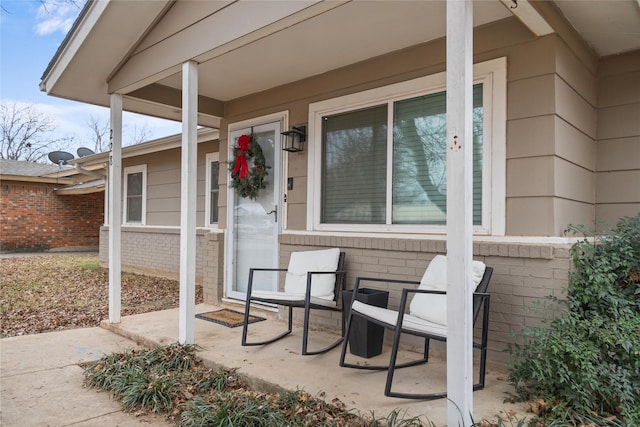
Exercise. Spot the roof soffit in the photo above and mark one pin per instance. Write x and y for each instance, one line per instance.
(313, 40)
(143, 56)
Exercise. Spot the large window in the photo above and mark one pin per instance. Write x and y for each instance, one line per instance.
(212, 190)
(135, 191)
(381, 161)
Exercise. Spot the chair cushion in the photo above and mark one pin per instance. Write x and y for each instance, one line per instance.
(433, 308)
(390, 317)
(322, 285)
(286, 298)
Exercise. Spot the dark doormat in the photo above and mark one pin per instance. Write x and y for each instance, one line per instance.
(228, 318)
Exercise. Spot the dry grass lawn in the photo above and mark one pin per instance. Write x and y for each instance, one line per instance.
(50, 293)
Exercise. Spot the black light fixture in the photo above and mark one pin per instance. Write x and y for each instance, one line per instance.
(294, 139)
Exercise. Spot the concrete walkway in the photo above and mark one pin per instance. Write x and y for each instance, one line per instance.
(42, 382)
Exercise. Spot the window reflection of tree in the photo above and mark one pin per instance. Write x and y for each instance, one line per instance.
(419, 176)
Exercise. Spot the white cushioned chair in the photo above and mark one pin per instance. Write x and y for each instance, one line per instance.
(427, 318)
(313, 280)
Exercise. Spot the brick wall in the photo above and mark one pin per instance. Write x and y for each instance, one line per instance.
(34, 218)
(524, 275)
(156, 251)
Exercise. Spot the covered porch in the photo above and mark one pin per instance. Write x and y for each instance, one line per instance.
(279, 366)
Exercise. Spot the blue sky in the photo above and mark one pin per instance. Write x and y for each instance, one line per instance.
(30, 33)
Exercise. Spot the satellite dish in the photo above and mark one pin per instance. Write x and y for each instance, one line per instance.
(83, 151)
(60, 157)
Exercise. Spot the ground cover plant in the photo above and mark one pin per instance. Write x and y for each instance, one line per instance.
(173, 381)
(54, 292)
(583, 367)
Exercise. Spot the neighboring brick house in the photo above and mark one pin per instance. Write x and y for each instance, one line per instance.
(44, 208)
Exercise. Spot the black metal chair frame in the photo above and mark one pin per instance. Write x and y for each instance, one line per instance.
(481, 299)
(306, 304)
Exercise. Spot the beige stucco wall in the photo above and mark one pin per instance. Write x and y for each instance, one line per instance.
(618, 138)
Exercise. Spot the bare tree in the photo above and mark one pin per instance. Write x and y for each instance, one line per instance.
(99, 133)
(140, 134)
(24, 132)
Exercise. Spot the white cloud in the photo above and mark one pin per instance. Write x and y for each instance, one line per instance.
(56, 15)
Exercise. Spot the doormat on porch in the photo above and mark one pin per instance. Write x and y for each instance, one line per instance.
(228, 318)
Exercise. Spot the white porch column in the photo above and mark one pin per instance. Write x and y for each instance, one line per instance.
(188, 203)
(459, 211)
(114, 190)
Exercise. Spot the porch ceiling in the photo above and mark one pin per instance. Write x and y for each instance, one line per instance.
(315, 38)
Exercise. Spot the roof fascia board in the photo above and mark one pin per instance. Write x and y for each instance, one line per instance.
(40, 179)
(71, 45)
(529, 16)
(161, 144)
(152, 64)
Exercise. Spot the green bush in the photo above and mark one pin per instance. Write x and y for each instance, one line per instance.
(587, 360)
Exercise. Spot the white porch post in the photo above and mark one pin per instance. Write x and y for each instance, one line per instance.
(459, 211)
(114, 190)
(188, 203)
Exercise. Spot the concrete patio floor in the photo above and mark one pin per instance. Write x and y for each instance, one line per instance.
(280, 366)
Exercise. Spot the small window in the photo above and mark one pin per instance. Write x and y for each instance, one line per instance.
(213, 189)
(135, 194)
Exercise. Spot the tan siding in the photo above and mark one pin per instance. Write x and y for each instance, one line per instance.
(619, 121)
(619, 154)
(574, 72)
(610, 214)
(619, 90)
(618, 146)
(573, 182)
(575, 146)
(619, 187)
(531, 97)
(530, 177)
(569, 212)
(531, 59)
(530, 216)
(572, 107)
(530, 137)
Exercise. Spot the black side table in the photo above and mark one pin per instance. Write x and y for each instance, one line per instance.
(366, 338)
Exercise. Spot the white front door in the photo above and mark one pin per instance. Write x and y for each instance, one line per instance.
(254, 224)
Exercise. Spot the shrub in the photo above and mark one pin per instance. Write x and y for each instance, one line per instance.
(588, 359)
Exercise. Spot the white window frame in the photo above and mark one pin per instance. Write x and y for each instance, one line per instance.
(128, 171)
(210, 158)
(493, 76)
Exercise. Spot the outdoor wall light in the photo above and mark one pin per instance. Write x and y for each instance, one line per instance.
(294, 139)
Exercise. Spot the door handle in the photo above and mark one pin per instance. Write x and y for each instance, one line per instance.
(274, 211)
